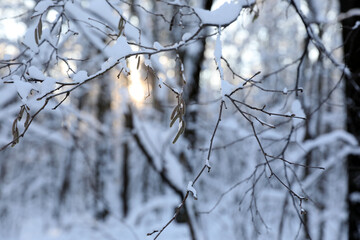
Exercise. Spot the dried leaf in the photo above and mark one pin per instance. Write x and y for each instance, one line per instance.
(174, 119)
(138, 63)
(176, 138)
(26, 123)
(14, 126)
(176, 109)
(15, 134)
(183, 127)
(36, 37)
(181, 131)
(22, 109)
(39, 27)
(121, 25)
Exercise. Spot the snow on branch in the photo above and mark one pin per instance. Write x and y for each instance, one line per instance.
(190, 188)
(224, 15)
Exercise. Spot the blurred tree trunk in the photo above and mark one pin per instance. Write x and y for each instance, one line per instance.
(102, 152)
(193, 60)
(351, 38)
(124, 195)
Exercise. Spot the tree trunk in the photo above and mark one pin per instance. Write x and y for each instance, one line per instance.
(192, 88)
(103, 108)
(124, 195)
(351, 38)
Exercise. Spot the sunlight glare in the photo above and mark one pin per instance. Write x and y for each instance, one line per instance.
(11, 29)
(136, 87)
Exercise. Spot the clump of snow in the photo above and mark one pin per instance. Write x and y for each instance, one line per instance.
(224, 15)
(22, 87)
(186, 36)
(46, 34)
(161, 82)
(176, 2)
(35, 73)
(29, 39)
(175, 45)
(108, 63)
(218, 49)
(285, 90)
(120, 49)
(357, 24)
(47, 85)
(106, 11)
(226, 87)
(29, 93)
(34, 104)
(80, 76)
(191, 189)
(42, 6)
(147, 62)
(158, 46)
(207, 164)
(122, 65)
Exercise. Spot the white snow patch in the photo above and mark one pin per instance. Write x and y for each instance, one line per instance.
(186, 36)
(29, 39)
(48, 36)
(207, 164)
(357, 24)
(80, 76)
(23, 88)
(218, 53)
(122, 65)
(47, 85)
(109, 63)
(120, 49)
(191, 189)
(34, 104)
(158, 46)
(35, 73)
(147, 62)
(42, 6)
(176, 2)
(226, 87)
(224, 15)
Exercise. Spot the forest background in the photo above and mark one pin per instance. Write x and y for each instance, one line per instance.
(126, 119)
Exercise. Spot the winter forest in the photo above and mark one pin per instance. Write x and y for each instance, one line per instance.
(179, 119)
